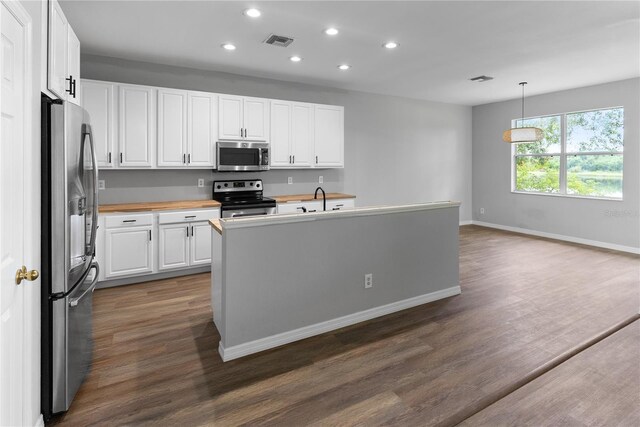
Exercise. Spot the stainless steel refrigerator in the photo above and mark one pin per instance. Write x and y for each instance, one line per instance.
(69, 269)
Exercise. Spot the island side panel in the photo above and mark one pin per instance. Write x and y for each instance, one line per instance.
(216, 281)
(309, 272)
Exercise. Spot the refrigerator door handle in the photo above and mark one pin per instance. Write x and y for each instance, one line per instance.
(74, 301)
(94, 160)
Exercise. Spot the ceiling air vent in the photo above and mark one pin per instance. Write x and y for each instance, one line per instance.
(481, 79)
(276, 40)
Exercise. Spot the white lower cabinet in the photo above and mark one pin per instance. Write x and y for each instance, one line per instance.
(141, 244)
(128, 246)
(315, 206)
(173, 246)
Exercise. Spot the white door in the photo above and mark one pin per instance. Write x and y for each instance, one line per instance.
(203, 129)
(19, 223)
(58, 38)
(99, 100)
(200, 240)
(329, 136)
(256, 119)
(230, 120)
(136, 125)
(280, 155)
(73, 65)
(129, 251)
(173, 246)
(301, 135)
(172, 128)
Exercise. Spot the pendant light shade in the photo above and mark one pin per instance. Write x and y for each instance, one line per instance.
(524, 134)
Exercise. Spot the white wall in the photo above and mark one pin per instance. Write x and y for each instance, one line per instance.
(612, 222)
(397, 150)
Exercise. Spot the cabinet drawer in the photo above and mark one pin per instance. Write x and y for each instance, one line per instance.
(299, 207)
(341, 204)
(188, 216)
(114, 221)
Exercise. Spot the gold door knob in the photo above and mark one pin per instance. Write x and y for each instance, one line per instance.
(23, 274)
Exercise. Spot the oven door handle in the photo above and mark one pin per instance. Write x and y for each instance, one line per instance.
(249, 214)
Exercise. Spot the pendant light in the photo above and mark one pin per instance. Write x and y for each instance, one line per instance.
(524, 134)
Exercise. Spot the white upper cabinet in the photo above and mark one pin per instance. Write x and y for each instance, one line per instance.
(256, 119)
(136, 120)
(230, 120)
(73, 65)
(202, 132)
(329, 136)
(58, 42)
(63, 70)
(98, 98)
(291, 134)
(172, 128)
(281, 134)
(242, 118)
(302, 126)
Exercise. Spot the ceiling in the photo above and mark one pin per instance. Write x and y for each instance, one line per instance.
(553, 45)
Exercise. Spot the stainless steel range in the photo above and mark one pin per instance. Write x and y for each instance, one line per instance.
(240, 198)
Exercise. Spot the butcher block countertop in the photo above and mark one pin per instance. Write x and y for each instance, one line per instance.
(215, 223)
(158, 206)
(309, 197)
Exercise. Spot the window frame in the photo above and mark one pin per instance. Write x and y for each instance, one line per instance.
(564, 155)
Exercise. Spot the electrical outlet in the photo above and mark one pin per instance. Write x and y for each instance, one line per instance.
(481, 211)
(290, 180)
(201, 182)
(320, 179)
(368, 281)
(101, 185)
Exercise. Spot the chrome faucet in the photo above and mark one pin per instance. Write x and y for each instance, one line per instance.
(324, 198)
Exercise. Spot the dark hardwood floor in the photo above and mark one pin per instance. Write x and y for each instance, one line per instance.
(524, 301)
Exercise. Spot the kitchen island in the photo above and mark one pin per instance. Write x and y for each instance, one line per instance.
(282, 278)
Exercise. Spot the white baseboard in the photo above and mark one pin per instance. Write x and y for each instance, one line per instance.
(277, 340)
(466, 222)
(40, 421)
(615, 247)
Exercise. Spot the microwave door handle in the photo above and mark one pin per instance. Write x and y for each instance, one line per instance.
(259, 157)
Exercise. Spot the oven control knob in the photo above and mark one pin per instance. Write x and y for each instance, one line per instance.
(251, 184)
(257, 185)
(219, 186)
(226, 185)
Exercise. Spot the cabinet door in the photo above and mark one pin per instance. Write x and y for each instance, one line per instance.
(230, 119)
(136, 126)
(280, 155)
(129, 251)
(329, 136)
(200, 250)
(173, 247)
(172, 128)
(203, 129)
(73, 64)
(256, 119)
(58, 39)
(302, 135)
(99, 100)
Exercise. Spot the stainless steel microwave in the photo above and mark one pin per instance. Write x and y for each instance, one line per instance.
(242, 156)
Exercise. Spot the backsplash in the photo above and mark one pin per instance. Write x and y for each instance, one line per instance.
(164, 185)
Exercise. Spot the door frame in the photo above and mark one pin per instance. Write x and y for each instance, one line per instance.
(31, 413)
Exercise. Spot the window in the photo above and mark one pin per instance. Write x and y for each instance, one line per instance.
(580, 155)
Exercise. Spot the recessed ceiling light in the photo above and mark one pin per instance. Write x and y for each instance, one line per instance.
(331, 31)
(390, 45)
(295, 59)
(229, 46)
(252, 13)
(344, 66)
